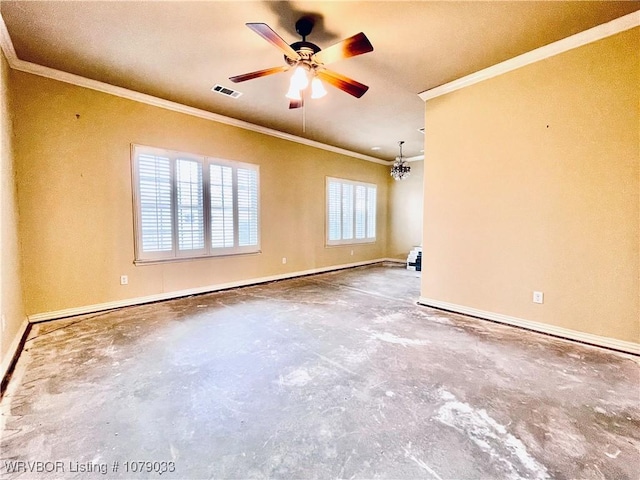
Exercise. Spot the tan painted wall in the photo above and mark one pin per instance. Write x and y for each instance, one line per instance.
(532, 183)
(74, 184)
(11, 306)
(405, 212)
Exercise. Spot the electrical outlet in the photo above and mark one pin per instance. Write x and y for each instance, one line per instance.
(538, 297)
(284, 260)
(351, 252)
(124, 280)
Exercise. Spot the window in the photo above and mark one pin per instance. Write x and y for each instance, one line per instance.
(351, 212)
(191, 206)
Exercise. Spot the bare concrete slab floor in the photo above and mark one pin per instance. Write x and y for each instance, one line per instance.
(338, 375)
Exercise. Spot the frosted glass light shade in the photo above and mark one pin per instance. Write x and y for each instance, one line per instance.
(299, 78)
(293, 93)
(317, 88)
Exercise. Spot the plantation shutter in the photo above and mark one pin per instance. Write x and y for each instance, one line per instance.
(247, 207)
(361, 211)
(189, 205)
(334, 200)
(221, 188)
(347, 211)
(371, 212)
(154, 193)
(351, 212)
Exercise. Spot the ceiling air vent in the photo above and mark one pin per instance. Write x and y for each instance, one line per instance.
(227, 92)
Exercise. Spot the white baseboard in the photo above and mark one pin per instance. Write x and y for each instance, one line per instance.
(100, 307)
(395, 260)
(607, 342)
(12, 351)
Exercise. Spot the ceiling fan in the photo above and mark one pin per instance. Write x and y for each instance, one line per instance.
(308, 61)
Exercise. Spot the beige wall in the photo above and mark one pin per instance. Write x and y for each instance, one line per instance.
(405, 212)
(11, 306)
(74, 184)
(532, 183)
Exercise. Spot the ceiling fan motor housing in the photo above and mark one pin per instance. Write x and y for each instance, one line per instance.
(304, 26)
(305, 49)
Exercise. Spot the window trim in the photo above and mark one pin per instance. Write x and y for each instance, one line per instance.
(176, 255)
(354, 240)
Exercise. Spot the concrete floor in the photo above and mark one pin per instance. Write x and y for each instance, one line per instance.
(339, 375)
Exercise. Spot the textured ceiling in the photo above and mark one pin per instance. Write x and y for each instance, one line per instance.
(179, 50)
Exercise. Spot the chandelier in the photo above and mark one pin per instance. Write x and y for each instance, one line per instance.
(400, 169)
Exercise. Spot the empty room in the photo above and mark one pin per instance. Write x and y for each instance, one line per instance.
(333, 239)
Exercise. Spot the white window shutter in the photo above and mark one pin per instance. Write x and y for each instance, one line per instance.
(351, 212)
(189, 205)
(347, 211)
(155, 206)
(361, 211)
(371, 212)
(334, 200)
(221, 188)
(247, 207)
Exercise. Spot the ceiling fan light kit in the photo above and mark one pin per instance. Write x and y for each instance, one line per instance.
(308, 61)
(299, 78)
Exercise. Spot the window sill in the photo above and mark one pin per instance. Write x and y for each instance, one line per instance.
(191, 259)
(349, 244)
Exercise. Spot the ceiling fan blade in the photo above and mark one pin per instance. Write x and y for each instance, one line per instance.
(345, 84)
(295, 103)
(350, 47)
(258, 74)
(273, 38)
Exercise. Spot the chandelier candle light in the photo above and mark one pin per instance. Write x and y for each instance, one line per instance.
(400, 169)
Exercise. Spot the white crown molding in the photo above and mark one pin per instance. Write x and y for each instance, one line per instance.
(565, 333)
(599, 32)
(100, 307)
(42, 71)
